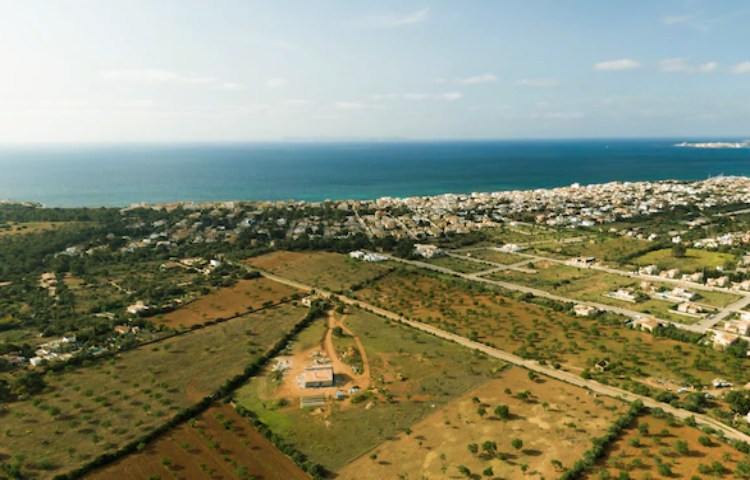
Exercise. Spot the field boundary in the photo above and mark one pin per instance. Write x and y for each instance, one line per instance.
(187, 413)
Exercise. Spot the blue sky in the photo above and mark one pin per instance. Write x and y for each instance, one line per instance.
(269, 70)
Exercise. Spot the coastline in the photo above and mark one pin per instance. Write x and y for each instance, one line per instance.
(119, 176)
(447, 196)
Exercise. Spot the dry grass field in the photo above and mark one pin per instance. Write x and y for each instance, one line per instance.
(332, 271)
(476, 311)
(244, 296)
(218, 444)
(554, 421)
(661, 448)
(412, 375)
(87, 411)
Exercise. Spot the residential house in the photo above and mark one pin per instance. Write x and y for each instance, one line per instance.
(648, 324)
(723, 339)
(427, 251)
(582, 310)
(690, 308)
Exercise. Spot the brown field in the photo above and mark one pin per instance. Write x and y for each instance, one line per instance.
(219, 445)
(557, 422)
(482, 312)
(244, 296)
(638, 454)
(332, 271)
(88, 411)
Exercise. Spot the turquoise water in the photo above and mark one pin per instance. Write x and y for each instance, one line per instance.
(117, 175)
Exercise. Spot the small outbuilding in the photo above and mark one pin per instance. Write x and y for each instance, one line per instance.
(319, 376)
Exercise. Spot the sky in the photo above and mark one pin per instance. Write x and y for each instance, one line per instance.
(191, 71)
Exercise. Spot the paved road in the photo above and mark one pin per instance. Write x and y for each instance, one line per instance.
(561, 375)
(740, 304)
(542, 293)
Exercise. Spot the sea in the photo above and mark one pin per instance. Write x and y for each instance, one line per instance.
(124, 174)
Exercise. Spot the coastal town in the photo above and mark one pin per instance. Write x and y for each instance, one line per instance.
(626, 290)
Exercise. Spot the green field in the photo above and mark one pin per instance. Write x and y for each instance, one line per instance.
(610, 249)
(434, 372)
(693, 261)
(85, 412)
(491, 316)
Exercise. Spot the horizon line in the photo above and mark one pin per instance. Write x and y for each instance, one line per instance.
(354, 140)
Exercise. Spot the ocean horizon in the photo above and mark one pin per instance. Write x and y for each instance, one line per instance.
(124, 174)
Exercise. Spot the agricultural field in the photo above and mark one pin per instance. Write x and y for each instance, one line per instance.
(332, 271)
(657, 447)
(218, 444)
(459, 265)
(591, 285)
(693, 261)
(84, 412)
(411, 375)
(496, 256)
(489, 315)
(616, 250)
(554, 422)
(240, 298)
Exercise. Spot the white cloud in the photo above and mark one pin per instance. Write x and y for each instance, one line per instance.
(557, 115)
(539, 82)
(276, 82)
(450, 96)
(350, 105)
(396, 20)
(416, 96)
(671, 20)
(617, 65)
(743, 67)
(231, 85)
(485, 78)
(296, 103)
(708, 67)
(159, 76)
(382, 96)
(678, 65)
